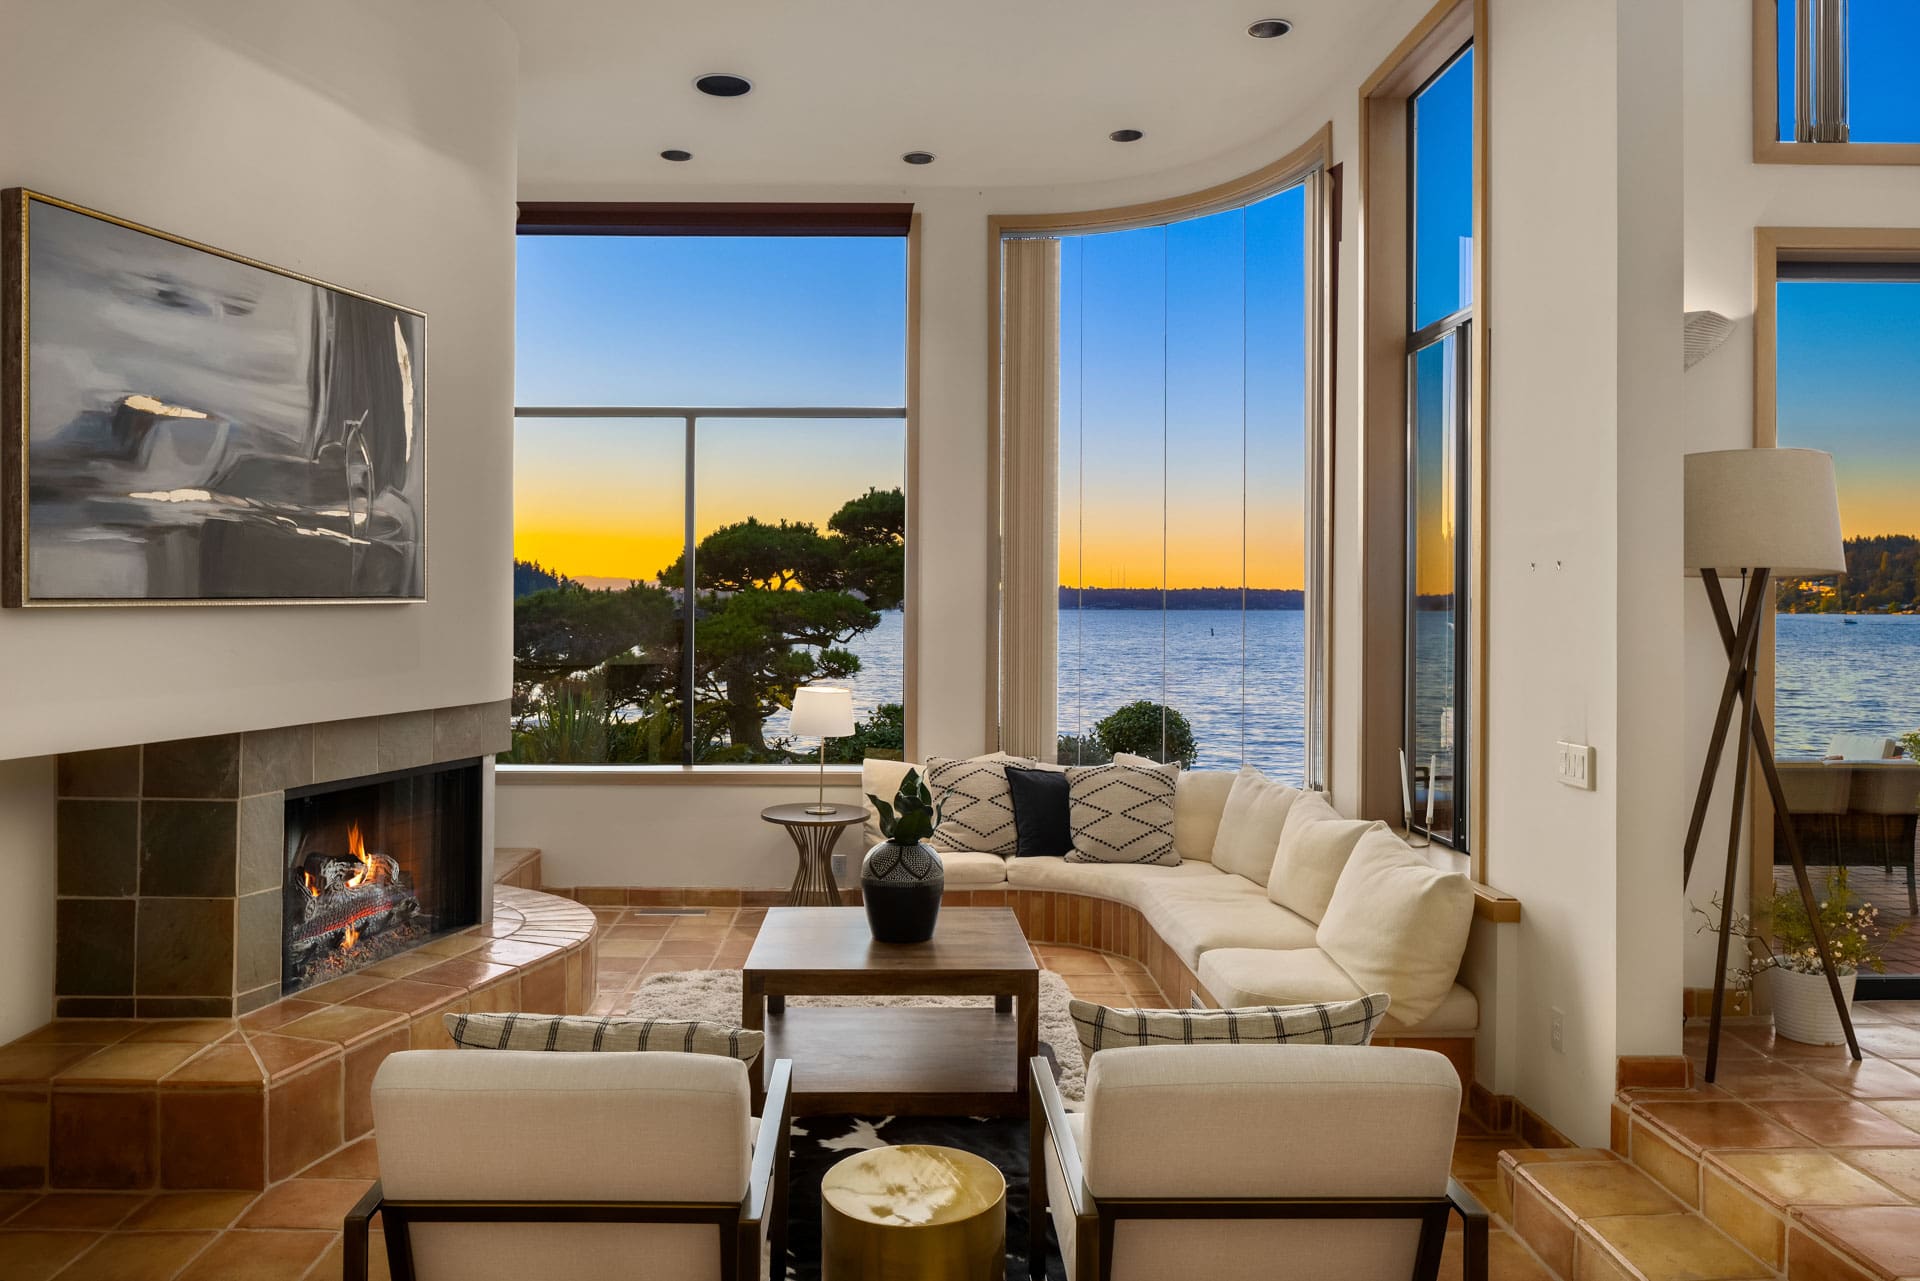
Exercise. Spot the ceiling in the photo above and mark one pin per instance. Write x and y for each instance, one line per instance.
(1003, 92)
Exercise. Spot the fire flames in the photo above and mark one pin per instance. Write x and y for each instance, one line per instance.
(349, 938)
(357, 846)
(312, 886)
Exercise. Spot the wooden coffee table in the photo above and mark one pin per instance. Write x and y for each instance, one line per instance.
(924, 1061)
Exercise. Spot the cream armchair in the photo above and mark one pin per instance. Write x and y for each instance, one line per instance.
(512, 1164)
(1252, 1161)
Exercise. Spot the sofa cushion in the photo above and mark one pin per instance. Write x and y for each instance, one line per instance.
(1042, 820)
(1195, 916)
(1260, 976)
(1199, 801)
(1121, 882)
(880, 778)
(577, 1033)
(975, 802)
(1102, 1027)
(1313, 850)
(970, 869)
(1122, 814)
(1398, 924)
(1250, 825)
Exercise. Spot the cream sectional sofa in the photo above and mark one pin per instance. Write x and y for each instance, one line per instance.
(1240, 946)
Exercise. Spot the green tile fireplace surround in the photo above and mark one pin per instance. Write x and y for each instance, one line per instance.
(172, 855)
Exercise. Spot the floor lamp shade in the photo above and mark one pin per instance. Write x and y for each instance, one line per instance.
(822, 711)
(1772, 509)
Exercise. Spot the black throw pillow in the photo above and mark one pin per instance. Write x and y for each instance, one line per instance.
(1042, 822)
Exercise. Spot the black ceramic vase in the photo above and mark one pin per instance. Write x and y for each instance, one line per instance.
(901, 885)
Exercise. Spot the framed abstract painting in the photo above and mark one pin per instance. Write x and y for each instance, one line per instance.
(182, 425)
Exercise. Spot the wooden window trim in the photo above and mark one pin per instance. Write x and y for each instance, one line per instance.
(1315, 155)
(1384, 233)
(1768, 149)
(1771, 247)
(616, 218)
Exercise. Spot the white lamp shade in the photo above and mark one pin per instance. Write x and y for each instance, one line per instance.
(822, 711)
(1774, 509)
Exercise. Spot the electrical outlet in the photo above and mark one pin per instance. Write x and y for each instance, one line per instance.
(1557, 1033)
(1574, 765)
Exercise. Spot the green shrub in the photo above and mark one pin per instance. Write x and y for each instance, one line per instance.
(1145, 728)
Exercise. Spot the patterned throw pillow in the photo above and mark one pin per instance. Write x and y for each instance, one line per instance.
(976, 803)
(612, 1034)
(1122, 814)
(1332, 1023)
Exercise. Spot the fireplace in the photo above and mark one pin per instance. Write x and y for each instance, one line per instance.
(376, 866)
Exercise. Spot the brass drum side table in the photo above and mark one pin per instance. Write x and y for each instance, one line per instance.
(814, 836)
(913, 1213)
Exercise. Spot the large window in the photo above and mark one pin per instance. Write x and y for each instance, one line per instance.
(1846, 649)
(1842, 72)
(1439, 355)
(709, 495)
(1187, 513)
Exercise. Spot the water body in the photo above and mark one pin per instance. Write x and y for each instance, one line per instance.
(1833, 677)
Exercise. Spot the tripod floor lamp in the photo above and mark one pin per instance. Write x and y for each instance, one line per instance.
(1760, 514)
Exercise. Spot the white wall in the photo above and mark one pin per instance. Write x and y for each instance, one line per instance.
(366, 142)
(26, 909)
(1727, 197)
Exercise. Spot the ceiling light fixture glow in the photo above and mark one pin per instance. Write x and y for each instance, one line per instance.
(1126, 135)
(723, 84)
(1269, 28)
(918, 157)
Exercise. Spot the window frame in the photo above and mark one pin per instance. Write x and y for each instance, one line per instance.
(1768, 148)
(1310, 162)
(755, 219)
(1387, 346)
(1773, 246)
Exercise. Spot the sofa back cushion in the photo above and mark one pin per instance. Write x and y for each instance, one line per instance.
(1398, 924)
(496, 1125)
(1313, 850)
(1268, 1121)
(1199, 798)
(880, 778)
(1250, 825)
(1122, 814)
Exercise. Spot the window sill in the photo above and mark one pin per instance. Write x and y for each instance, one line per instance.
(1774, 152)
(794, 776)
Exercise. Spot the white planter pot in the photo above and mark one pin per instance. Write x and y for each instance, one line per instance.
(1803, 1007)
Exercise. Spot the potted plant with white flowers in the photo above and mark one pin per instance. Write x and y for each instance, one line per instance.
(1796, 982)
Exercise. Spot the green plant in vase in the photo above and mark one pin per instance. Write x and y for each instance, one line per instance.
(901, 879)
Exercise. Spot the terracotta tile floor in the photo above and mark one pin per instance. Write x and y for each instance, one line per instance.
(1886, 891)
(290, 1232)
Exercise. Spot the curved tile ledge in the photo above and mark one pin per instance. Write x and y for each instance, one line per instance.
(238, 1103)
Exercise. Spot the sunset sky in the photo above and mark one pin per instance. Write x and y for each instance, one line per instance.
(1849, 383)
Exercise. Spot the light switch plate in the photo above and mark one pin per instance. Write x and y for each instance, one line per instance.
(1574, 763)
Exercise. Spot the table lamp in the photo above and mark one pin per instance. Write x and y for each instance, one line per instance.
(826, 711)
(1757, 513)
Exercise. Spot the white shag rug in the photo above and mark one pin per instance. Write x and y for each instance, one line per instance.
(714, 996)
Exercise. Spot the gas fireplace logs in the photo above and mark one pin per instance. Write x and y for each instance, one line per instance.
(347, 897)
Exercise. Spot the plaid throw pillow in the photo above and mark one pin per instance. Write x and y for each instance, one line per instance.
(976, 803)
(1330, 1023)
(613, 1034)
(1122, 814)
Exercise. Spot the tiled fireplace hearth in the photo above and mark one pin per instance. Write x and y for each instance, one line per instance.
(177, 865)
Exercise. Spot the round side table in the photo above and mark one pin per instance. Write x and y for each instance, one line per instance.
(814, 836)
(913, 1213)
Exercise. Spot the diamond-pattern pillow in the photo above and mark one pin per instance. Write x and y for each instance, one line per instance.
(976, 803)
(1352, 1022)
(1122, 814)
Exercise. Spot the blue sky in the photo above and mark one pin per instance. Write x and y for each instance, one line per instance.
(1882, 39)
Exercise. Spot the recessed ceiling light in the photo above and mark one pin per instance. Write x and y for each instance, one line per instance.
(723, 84)
(1126, 135)
(674, 153)
(918, 157)
(1268, 28)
